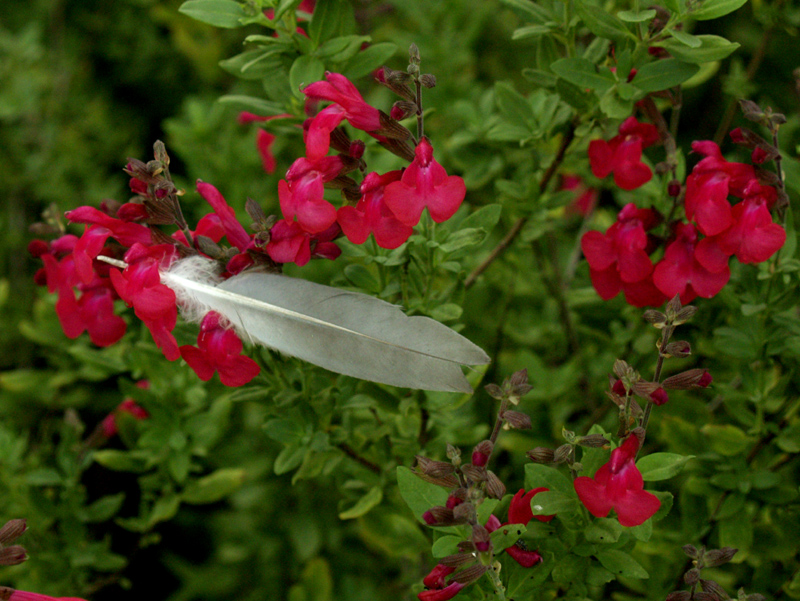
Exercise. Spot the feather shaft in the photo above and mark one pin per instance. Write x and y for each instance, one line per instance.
(346, 332)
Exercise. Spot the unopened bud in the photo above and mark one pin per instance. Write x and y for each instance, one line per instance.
(684, 380)
(714, 588)
(517, 420)
(481, 453)
(691, 551)
(402, 109)
(452, 452)
(679, 349)
(13, 555)
(6, 592)
(623, 370)
(413, 54)
(541, 455)
(427, 80)
(456, 498)
(751, 110)
(679, 596)
(656, 318)
(659, 396)
(759, 156)
(674, 306)
(684, 315)
(481, 538)
(12, 530)
(464, 512)
(474, 472)
(434, 468)
(674, 188)
(692, 576)
(494, 487)
(562, 453)
(470, 574)
(717, 557)
(494, 391)
(457, 560)
(593, 441)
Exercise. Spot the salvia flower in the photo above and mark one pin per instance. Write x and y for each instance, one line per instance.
(618, 485)
(425, 183)
(622, 154)
(520, 512)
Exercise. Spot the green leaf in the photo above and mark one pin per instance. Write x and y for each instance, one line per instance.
(463, 238)
(584, 74)
(604, 531)
(661, 466)
(253, 64)
(285, 5)
(711, 48)
(727, 440)
(220, 13)
(342, 48)
(737, 532)
(305, 70)
(373, 497)
(685, 38)
(369, 59)
(663, 74)
(284, 430)
(125, 461)
(602, 23)
(43, 476)
(328, 17)
(614, 106)
(447, 312)
(538, 475)
(361, 277)
(485, 218)
(217, 485)
(103, 509)
(507, 535)
(713, 9)
(446, 545)
(621, 564)
(531, 31)
(631, 17)
(419, 495)
(289, 458)
(513, 106)
(253, 104)
(538, 12)
(553, 503)
(569, 569)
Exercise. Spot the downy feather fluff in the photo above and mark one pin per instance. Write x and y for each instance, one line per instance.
(346, 332)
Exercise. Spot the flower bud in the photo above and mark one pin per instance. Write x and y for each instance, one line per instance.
(12, 555)
(457, 559)
(481, 453)
(430, 467)
(659, 396)
(562, 453)
(517, 420)
(714, 588)
(494, 391)
(541, 455)
(691, 551)
(679, 349)
(464, 512)
(717, 557)
(474, 472)
(481, 538)
(12, 530)
(437, 575)
(685, 380)
(657, 318)
(455, 498)
(494, 487)
(692, 576)
(684, 315)
(674, 188)
(679, 596)
(427, 80)
(759, 156)
(453, 452)
(593, 441)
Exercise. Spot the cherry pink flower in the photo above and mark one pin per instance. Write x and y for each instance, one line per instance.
(264, 139)
(371, 215)
(618, 259)
(26, 596)
(209, 226)
(290, 243)
(441, 594)
(585, 197)
(622, 154)
(712, 180)
(618, 485)
(129, 407)
(424, 183)
(94, 238)
(139, 285)
(234, 231)
(680, 272)
(301, 193)
(219, 349)
(348, 104)
(435, 579)
(519, 512)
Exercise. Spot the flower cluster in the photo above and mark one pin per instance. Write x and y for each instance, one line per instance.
(695, 260)
(121, 254)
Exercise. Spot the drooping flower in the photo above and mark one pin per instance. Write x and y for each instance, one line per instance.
(622, 154)
(618, 260)
(618, 485)
(301, 193)
(520, 512)
(680, 272)
(441, 594)
(219, 349)
(290, 243)
(371, 215)
(234, 231)
(424, 183)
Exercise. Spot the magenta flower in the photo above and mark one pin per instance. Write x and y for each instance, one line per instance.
(219, 349)
(139, 285)
(424, 183)
(708, 187)
(234, 231)
(301, 193)
(264, 139)
(26, 596)
(437, 575)
(680, 271)
(128, 406)
(519, 512)
(618, 485)
(290, 243)
(622, 154)
(441, 594)
(585, 197)
(348, 104)
(371, 215)
(618, 259)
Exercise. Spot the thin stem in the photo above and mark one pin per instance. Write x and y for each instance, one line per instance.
(350, 452)
(420, 118)
(666, 334)
(498, 250)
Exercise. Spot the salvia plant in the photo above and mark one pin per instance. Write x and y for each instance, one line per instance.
(409, 372)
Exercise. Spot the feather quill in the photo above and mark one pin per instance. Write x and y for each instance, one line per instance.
(346, 332)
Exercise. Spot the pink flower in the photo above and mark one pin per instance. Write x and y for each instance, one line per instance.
(437, 575)
(234, 230)
(264, 139)
(290, 243)
(301, 193)
(680, 271)
(139, 285)
(424, 183)
(371, 215)
(585, 197)
(219, 349)
(622, 154)
(348, 104)
(618, 259)
(441, 594)
(708, 187)
(128, 406)
(519, 512)
(618, 485)
(26, 596)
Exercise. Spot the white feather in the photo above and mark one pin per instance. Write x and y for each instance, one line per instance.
(346, 332)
